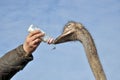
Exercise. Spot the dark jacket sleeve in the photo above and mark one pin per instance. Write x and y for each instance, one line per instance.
(12, 62)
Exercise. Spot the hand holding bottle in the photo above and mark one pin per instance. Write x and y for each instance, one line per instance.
(46, 38)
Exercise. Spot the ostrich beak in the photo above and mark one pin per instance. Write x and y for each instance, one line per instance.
(64, 37)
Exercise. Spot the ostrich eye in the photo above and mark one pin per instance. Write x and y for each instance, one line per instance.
(67, 27)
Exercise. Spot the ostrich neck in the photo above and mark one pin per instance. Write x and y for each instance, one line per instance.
(92, 55)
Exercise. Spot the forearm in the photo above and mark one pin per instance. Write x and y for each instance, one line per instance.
(12, 62)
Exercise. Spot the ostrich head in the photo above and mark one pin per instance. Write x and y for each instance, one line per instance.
(71, 32)
(74, 31)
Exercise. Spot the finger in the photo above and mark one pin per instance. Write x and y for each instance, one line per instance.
(34, 32)
(50, 41)
(34, 37)
(35, 43)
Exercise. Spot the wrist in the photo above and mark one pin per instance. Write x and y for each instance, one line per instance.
(26, 50)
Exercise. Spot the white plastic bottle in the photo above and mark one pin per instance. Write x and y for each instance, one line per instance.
(45, 38)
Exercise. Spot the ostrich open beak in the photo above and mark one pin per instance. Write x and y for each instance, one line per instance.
(64, 37)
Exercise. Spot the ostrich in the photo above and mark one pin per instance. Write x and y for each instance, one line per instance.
(74, 31)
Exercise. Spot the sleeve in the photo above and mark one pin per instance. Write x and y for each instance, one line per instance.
(12, 62)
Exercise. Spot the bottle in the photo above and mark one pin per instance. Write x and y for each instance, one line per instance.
(46, 38)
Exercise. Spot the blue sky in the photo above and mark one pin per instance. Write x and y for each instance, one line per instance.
(68, 61)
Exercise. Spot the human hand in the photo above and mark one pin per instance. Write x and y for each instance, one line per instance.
(32, 41)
